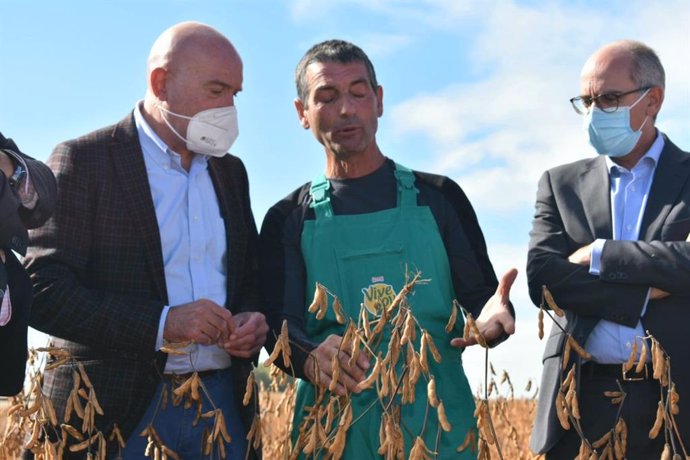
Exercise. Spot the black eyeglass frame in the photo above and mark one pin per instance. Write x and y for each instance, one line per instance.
(582, 104)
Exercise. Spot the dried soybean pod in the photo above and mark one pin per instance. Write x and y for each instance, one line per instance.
(285, 343)
(602, 441)
(94, 401)
(550, 302)
(335, 372)
(274, 355)
(674, 397)
(369, 381)
(249, 389)
(631, 358)
(318, 300)
(475, 331)
(643, 357)
(578, 348)
(84, 377)
(585, 451)
(431, 392)
(338, 310)
(117, 436)
(432, 347)
(658, 422)
(453, 317)
(443, 420)
(541, 323)
(561, 411)
(408, 333)
(354, 354)
(470, 439)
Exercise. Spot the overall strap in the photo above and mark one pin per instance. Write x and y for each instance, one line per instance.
(320, 198)
(407, 192)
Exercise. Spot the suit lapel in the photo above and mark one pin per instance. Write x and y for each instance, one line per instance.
(128, 160)
(228, 201)
(596, 198)
(671, 174)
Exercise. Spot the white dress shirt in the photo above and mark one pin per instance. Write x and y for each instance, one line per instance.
(193, 239)
(609, 342)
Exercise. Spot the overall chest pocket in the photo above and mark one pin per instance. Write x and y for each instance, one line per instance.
(370, 276)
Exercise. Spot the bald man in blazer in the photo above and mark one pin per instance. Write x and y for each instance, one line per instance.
(145, 218)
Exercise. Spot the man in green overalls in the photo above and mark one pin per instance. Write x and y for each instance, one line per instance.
(363, 230)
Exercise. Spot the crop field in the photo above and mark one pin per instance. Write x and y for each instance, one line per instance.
(401, 373)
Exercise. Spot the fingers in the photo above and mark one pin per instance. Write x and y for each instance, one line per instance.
(202, 321)
(319, 367)
(249, 335)
(459, 342)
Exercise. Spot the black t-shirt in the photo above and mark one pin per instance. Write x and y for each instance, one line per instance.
(283, 271)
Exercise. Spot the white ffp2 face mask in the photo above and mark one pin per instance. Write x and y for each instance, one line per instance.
(210, 132)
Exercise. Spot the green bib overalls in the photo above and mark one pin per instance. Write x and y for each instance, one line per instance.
(364, 259)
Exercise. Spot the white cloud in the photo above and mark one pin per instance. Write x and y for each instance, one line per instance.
(497, 134)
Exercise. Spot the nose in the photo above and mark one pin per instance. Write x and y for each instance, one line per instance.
(347, 106)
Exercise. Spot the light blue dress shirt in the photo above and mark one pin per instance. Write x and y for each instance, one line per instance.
(609, 342)
(193, 239)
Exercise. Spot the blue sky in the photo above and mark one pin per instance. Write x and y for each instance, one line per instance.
(476, 90)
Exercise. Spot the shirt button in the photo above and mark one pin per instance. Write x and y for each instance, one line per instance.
(627, 344)
(634, 189)
(196, 217)
(628, 227)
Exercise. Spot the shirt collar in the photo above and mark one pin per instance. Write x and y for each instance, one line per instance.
(153, 145)
(651, 157)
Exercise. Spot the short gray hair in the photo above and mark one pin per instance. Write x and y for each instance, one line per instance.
(646, 68)
(331, 51)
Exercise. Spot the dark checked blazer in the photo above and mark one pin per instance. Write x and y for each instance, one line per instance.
(572, 210)
(14, 220)
(98, 276)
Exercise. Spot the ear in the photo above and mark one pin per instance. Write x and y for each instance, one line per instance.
(656, 98)
(299, 106)
(379, 100)
(157, 83)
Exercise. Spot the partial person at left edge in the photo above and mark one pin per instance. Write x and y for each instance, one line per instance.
(27, 199)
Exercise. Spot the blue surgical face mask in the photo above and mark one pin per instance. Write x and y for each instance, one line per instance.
(610, 132)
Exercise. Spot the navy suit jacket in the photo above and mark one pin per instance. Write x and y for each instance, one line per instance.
(572, 210)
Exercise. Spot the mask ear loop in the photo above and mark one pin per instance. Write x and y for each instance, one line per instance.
(646, 117)
(164, 113)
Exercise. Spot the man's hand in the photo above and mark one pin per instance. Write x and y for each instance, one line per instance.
(319, 360)
(248, 336)
(202, 321)
(495, 317)
(582, 256)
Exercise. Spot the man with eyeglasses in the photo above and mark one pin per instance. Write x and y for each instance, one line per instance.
(609, 241)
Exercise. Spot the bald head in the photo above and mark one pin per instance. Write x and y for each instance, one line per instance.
(191, 68)
(182, 43)
(640, 61)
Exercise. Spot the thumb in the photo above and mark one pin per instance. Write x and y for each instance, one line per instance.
(506, 282)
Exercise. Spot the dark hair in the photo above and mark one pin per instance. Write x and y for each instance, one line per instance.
(331, 51)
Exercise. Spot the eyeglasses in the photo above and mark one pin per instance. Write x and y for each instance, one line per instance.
(608, 102)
